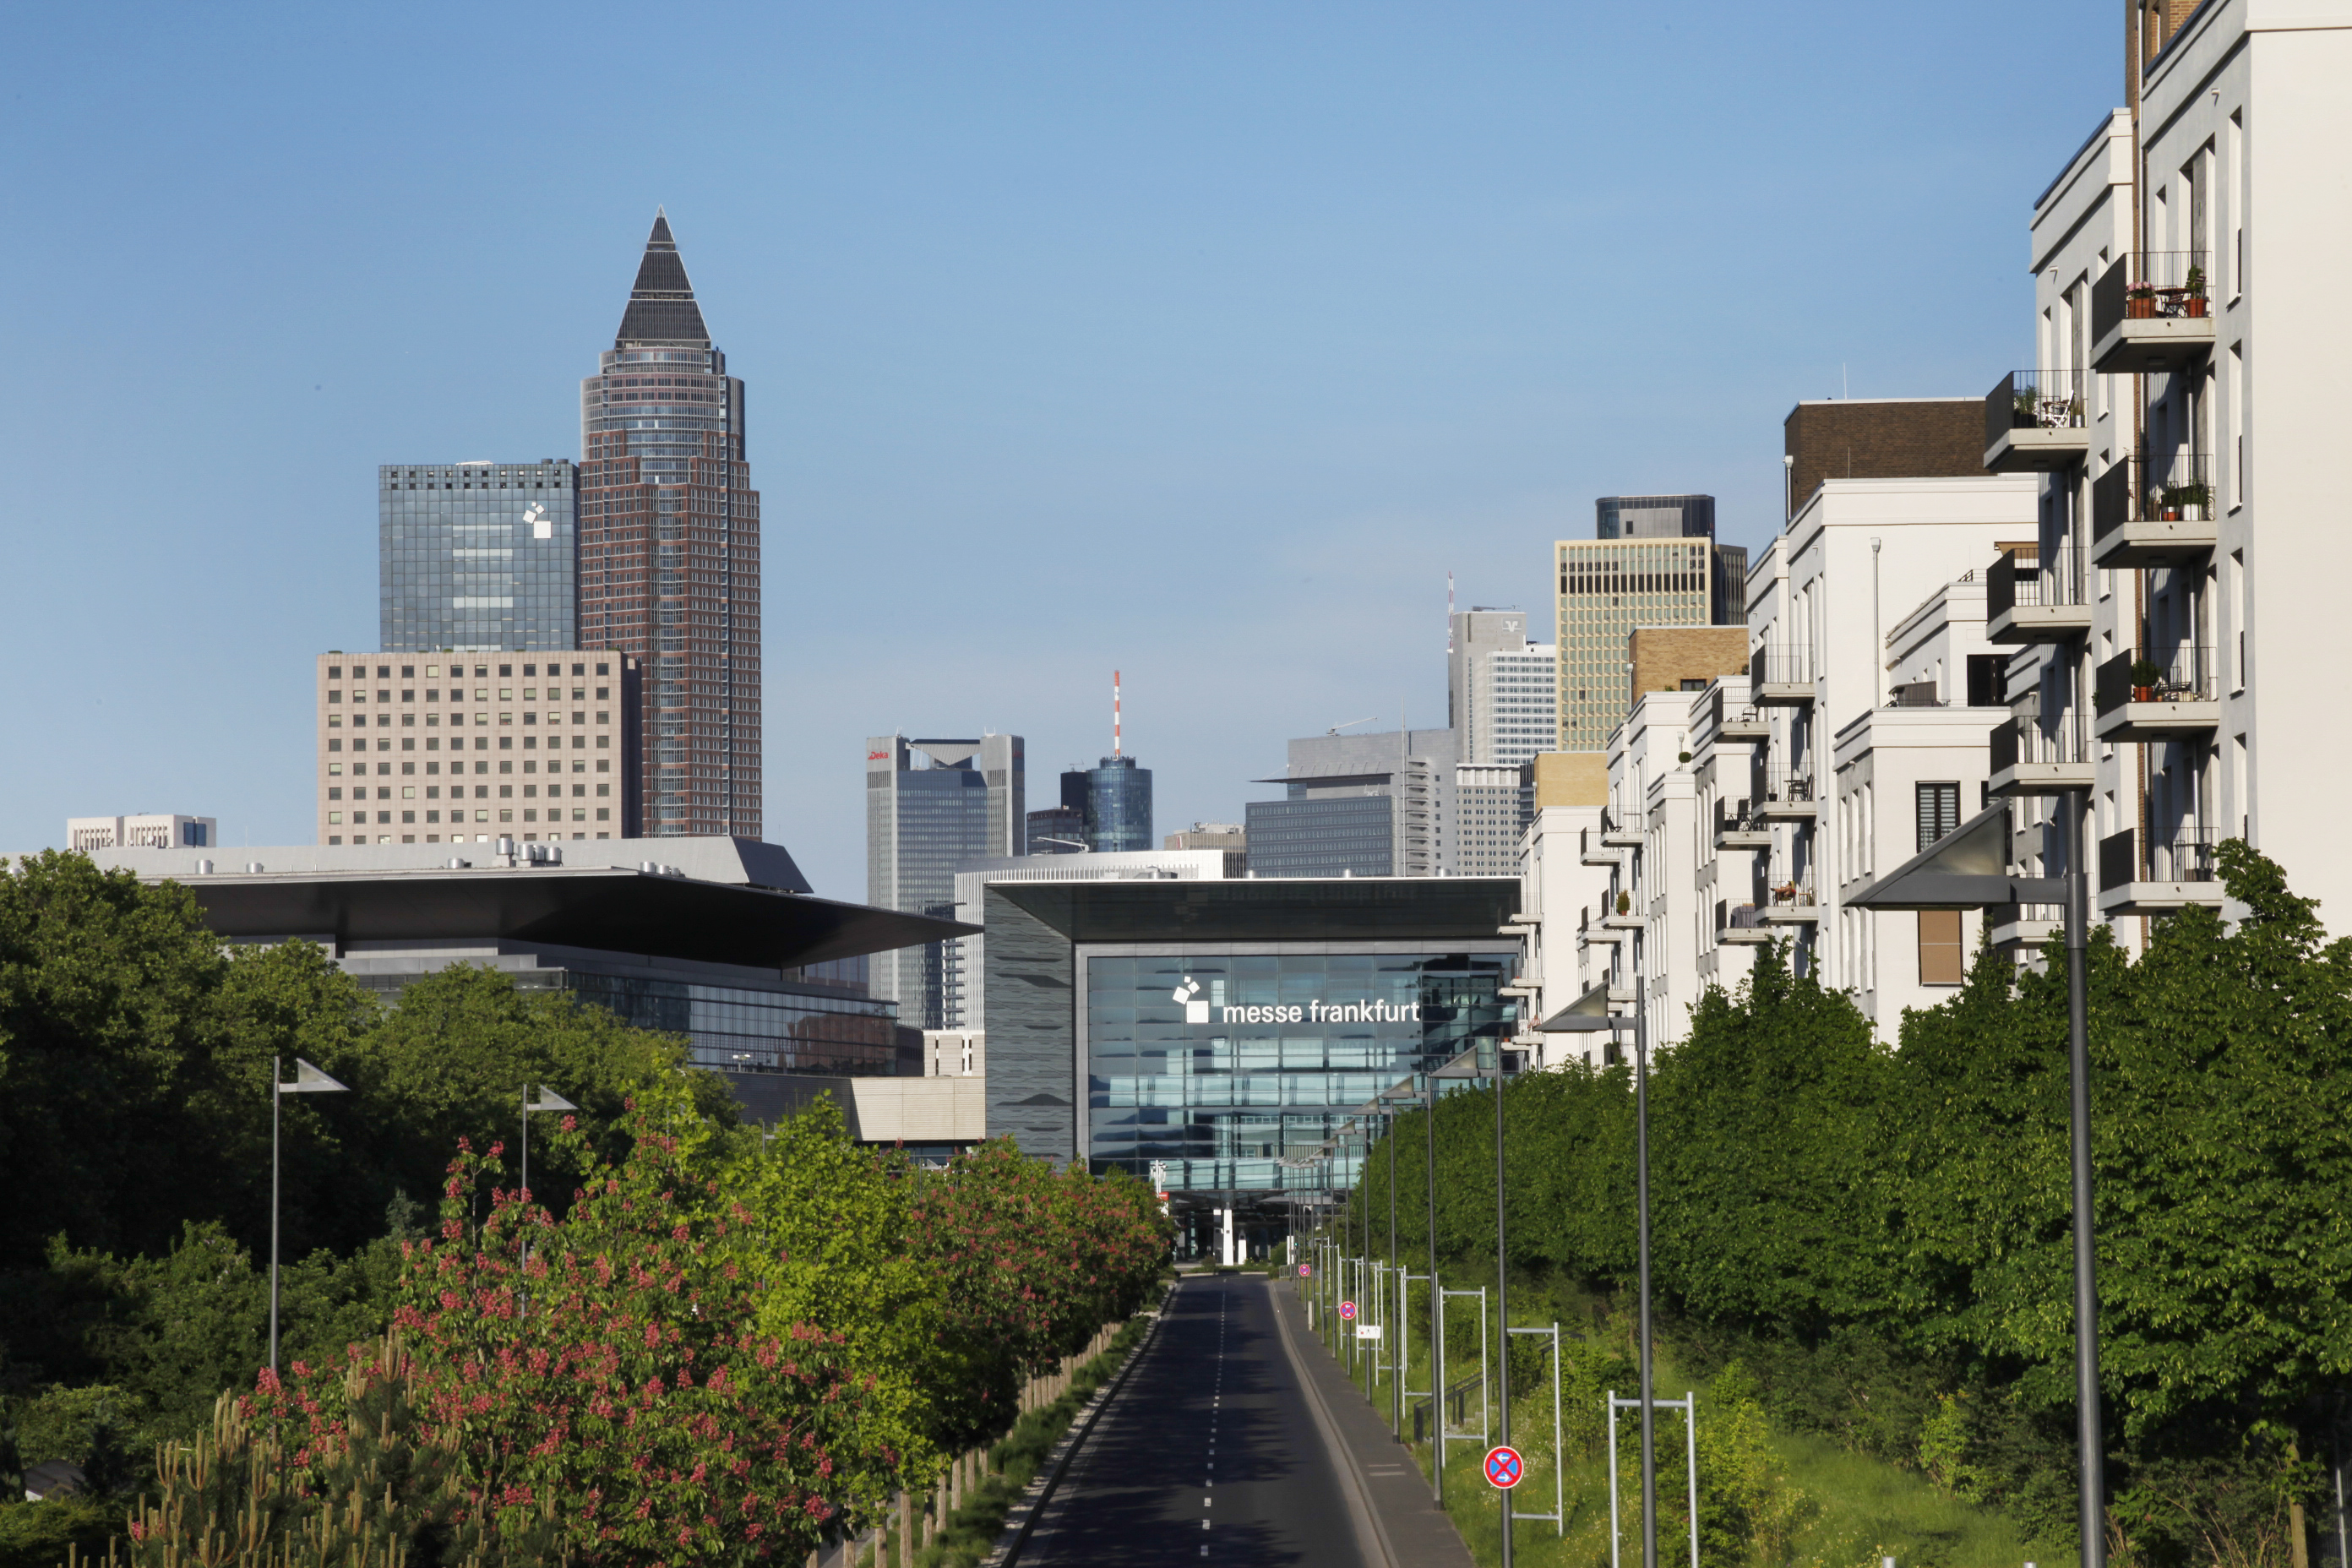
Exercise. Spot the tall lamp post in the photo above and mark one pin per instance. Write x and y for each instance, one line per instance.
(308, 1079)
(1968, 869)
(1589, 1014)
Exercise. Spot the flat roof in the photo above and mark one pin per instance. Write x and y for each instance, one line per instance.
(606, 907)
(1449, 911)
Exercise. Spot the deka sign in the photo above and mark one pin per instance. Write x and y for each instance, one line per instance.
(1317, 1012)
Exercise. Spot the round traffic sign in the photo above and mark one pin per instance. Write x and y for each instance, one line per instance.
(1348, 1310)
(1505, 1468)
(1307, 1271)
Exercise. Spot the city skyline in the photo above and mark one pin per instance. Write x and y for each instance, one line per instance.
(922, 296)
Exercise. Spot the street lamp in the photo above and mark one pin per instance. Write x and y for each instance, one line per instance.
(548, 1101)
(308, 1079)
(1968, 869)
(1588, 1014)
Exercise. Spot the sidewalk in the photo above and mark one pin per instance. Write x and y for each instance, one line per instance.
(1414, 1532)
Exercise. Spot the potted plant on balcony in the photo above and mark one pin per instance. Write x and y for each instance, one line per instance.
(2025, 408)
(2188, 502)
(2144, 674)
(1624, 903)
(2139, 301)
(2192, 297)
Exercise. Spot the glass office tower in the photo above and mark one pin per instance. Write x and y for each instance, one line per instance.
(1116, 798)
(669, 556)
(477, 557)
(964, 803)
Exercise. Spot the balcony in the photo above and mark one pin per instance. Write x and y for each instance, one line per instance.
(2028, 600)
(2170, 871)
(1742, 723)
(1736, 925)
(1629, 920)
(1792, 903)
(1615, 836)
(1740, 829)
(1782, 675)
(2033, 422)
(2153, 511)
(2013, 926)
(2026, 760)
(1593, 853)
(2177, 697)
(2150, 313)
(1786, 798)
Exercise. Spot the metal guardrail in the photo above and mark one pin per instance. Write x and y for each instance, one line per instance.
(2027, 577)
(2176, 487)
(2185, 675)
(2034, 400)
(2147, 284)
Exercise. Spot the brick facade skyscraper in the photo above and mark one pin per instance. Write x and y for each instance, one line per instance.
(669, 551)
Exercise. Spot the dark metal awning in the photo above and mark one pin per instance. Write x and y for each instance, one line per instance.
(1968, 869)
(610, 909)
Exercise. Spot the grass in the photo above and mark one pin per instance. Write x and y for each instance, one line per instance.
(1824, 1506)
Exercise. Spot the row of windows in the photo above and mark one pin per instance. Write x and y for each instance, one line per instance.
(481, 743)
(453, 837)
(578, 814)
(457, 792)
(579, 765)
(457, 672)
(481, 694)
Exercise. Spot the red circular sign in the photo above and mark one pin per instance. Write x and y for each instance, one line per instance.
(1306, 1270)
(1505, 1468)
(1347, 1309)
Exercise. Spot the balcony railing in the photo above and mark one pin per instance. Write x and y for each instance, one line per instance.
(1742, 715)
(2148, 285)
(2022, 741)
(2033, 400)
(2026, 578)
(1782, 789)
(1736, 917)
(2170, 487)
(1793, 893)
(2187, 674)
(1789, 666)
(2178, 855)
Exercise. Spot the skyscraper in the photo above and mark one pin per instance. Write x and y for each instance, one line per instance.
(669, 551)
(1114, 800)
(1502, 690)
(921, 823)
(1654, 563)
(477, 557)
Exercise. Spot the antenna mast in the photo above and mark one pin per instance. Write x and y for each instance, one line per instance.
(1449, 614)
(1113, 715)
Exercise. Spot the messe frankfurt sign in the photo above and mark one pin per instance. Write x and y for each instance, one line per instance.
(1318, 1012)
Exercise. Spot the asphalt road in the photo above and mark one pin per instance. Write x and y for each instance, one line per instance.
(1211, 1454)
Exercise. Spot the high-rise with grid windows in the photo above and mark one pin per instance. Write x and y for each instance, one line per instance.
(669, 551)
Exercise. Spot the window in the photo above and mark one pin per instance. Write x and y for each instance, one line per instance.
(1940, 962)
(335, 816)
(334, 792)
(1940, 811)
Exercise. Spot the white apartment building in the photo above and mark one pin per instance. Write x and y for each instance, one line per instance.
(1909, 771)
(550, 744)
(145, 831)
(2188, 381)
(1747, 811)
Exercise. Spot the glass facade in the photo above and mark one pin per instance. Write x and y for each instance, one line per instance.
(1221, 1064)
(1321, 836)
(1117, 796)
(477, 557)
(742, 1030)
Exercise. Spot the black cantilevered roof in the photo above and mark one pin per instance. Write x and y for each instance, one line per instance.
(661, 306)
(1449, 909)
(612, 909)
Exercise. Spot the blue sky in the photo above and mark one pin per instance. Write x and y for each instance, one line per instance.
(1198, 341)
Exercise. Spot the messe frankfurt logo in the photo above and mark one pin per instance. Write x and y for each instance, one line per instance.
(542, 525)
(1194, 1012)
(1197, 1011)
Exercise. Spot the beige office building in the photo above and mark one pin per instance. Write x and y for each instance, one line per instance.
(422, 748)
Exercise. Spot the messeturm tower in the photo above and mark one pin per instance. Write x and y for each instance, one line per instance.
(669, 551)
